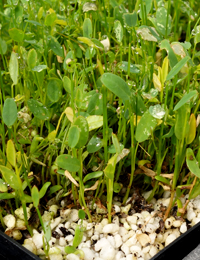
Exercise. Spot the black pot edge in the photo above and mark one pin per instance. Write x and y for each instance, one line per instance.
(178, 249)
(11, 249)
(182, 246)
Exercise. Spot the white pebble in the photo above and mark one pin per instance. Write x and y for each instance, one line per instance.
(89, 254)
(110, 228)
(62, 241)
(126, 249)
(38, 240)
(116, 208)
(107, 253)
(170, 239)
(55, 222)
(103, 242)
(17, 235)
(177, 223)
(56, 257)
(9, 221)
(118, 240)
(169, 222)
(190, 215)
(119, 255)
(73, 216)
(153, 251)
(28, 244)
(132, 219)
(72, 257)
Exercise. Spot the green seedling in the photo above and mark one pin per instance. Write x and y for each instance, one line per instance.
(77, 237)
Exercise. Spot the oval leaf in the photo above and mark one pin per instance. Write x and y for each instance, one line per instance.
(14, 68)
(94, 122)
(192, 163)
(54, 90)
(10, 177)
(82, 124)
(117, 85)
(145, 127)
(73, 136)
(11, 153)
(35, 196)
(38, 109)
(9, 112)
(68, 162)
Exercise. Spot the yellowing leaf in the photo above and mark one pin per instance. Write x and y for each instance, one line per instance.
(192, 129)
(165, 67)
(69, 113)
(11, 153)
(69, 176)
(156, 82)
(61, 22)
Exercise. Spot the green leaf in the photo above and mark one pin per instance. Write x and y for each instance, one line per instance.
(171, 55)
(16, 34)
(70, 249)
(94, 144)
(116, 144)
(55, 46)
(38, 110)
(192, 129)
(87, 28)
(81, 214)
(181, 123)
(3, 186)
(118, 31)
(14, 68)
(82, 124)
(54, 189)
(157, 111)
(111, 148)
(54, 90)
(3, 46)
(175, 70)
(162, 179)
(117, 187)
(44, 189)
(92, 175)
(9, 112)
(145, 127)
(67, 84)
(35, 196)
(73, 136)
(11, 153)
(130, 19)
(109, 171)
(124, 66)
(147, 4)
(95, 106)
(10, 177)
(47, 232)
(68, 162)
(185, 99)
(117, 85)
(50, 19)
(192, 163)
(32, 58)
(39, 68)
(161, 21)
(78, 236)
(6, 196)
(94, 122)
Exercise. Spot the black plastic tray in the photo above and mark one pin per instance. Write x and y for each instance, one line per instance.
(182, 246)
(11, 249)
(177, 250)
